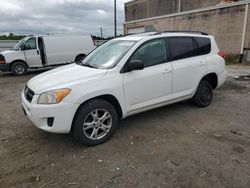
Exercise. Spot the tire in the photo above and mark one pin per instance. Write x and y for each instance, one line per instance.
(19, 68)
(204, 94)
(79, 58)
(89, 126)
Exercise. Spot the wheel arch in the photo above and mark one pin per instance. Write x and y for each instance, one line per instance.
(79, 55)
(18, 60)
(108, 97)
(212, 78)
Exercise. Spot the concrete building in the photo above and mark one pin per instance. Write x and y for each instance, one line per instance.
(228, 21)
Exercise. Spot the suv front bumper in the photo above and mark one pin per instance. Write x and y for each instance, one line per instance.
(62, 114)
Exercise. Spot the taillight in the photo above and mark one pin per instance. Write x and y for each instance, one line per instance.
(222, 54)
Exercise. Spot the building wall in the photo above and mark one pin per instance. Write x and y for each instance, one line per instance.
(148, 8)
(194, 4)
(225, 24)
(140, 9)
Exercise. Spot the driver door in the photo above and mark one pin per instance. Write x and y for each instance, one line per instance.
(152, 85)
(31, 52)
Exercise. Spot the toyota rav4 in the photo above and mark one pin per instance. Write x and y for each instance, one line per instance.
(124, 76)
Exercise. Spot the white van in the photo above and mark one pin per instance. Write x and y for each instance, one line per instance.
(42, 51)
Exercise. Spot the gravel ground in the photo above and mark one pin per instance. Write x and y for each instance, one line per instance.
(175, 146)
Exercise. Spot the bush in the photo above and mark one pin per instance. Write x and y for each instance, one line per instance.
(232, 59)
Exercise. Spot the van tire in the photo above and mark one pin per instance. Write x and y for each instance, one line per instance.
(80, 57)
(19, 68)
(91, 126)
(204, 94)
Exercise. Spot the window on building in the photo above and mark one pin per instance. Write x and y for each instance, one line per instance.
(182, 47)
(151, 53)
(204, 45)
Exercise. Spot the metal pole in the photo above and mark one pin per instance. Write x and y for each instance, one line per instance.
(243, 33)
(101, 32)
(179, 6)
(115, 18)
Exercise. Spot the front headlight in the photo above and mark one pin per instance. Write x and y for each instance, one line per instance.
(2, 59)
(53, 97)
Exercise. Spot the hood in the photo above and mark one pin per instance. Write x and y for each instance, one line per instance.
(64, 77)
(11, 55)
(7, 52)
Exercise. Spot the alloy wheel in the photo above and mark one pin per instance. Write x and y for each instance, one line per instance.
(97, 124)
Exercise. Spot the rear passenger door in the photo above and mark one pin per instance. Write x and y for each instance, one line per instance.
(188, 64)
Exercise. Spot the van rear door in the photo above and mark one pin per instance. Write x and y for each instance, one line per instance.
(31, 52)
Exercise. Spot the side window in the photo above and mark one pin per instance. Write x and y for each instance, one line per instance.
(204, 45)
(30, 44)
(151, 53)
(182, 47)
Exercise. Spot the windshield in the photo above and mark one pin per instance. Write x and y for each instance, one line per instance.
(19, 44)
(108, 55)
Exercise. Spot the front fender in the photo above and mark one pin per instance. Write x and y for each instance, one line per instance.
(109, 86)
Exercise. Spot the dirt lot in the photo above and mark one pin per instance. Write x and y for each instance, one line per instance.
(175, 146)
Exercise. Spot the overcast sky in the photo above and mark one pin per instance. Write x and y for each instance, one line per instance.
(60, 16)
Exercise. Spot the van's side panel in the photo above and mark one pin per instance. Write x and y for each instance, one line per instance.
(64, 49)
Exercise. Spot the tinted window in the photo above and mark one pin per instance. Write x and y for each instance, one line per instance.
(151, 53)
(30, 44)
(182, 47)
(204, 45)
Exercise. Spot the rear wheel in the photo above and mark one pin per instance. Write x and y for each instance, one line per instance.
(80, 57)
(19, 68)
(95, 122)
(204, 94)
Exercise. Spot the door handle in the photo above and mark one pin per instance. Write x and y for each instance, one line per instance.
(37, 52)
(166, 71)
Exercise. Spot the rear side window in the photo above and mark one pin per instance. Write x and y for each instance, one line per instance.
(182, 47)
(204, 45)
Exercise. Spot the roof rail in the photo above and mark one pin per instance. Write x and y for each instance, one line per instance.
(179, 31)
(143, 33)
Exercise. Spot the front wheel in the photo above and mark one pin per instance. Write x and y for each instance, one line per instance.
(19, 68)
(204, 94)
(95, 122)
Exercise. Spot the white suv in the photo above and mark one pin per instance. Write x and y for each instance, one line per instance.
(123, 77)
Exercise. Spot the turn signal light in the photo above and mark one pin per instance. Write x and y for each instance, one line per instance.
(2, 62)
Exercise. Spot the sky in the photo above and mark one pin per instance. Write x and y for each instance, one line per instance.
(60, 17)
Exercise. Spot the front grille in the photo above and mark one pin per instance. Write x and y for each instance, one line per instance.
(28, 94)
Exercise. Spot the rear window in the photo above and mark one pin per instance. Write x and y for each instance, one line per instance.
(204, 45)
(182, 47)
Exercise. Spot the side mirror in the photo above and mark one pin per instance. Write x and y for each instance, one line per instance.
(135, 65)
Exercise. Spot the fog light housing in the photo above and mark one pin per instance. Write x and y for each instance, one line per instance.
(50, 121)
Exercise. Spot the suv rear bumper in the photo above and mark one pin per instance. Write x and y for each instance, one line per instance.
(4, 67)
(222, 78)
